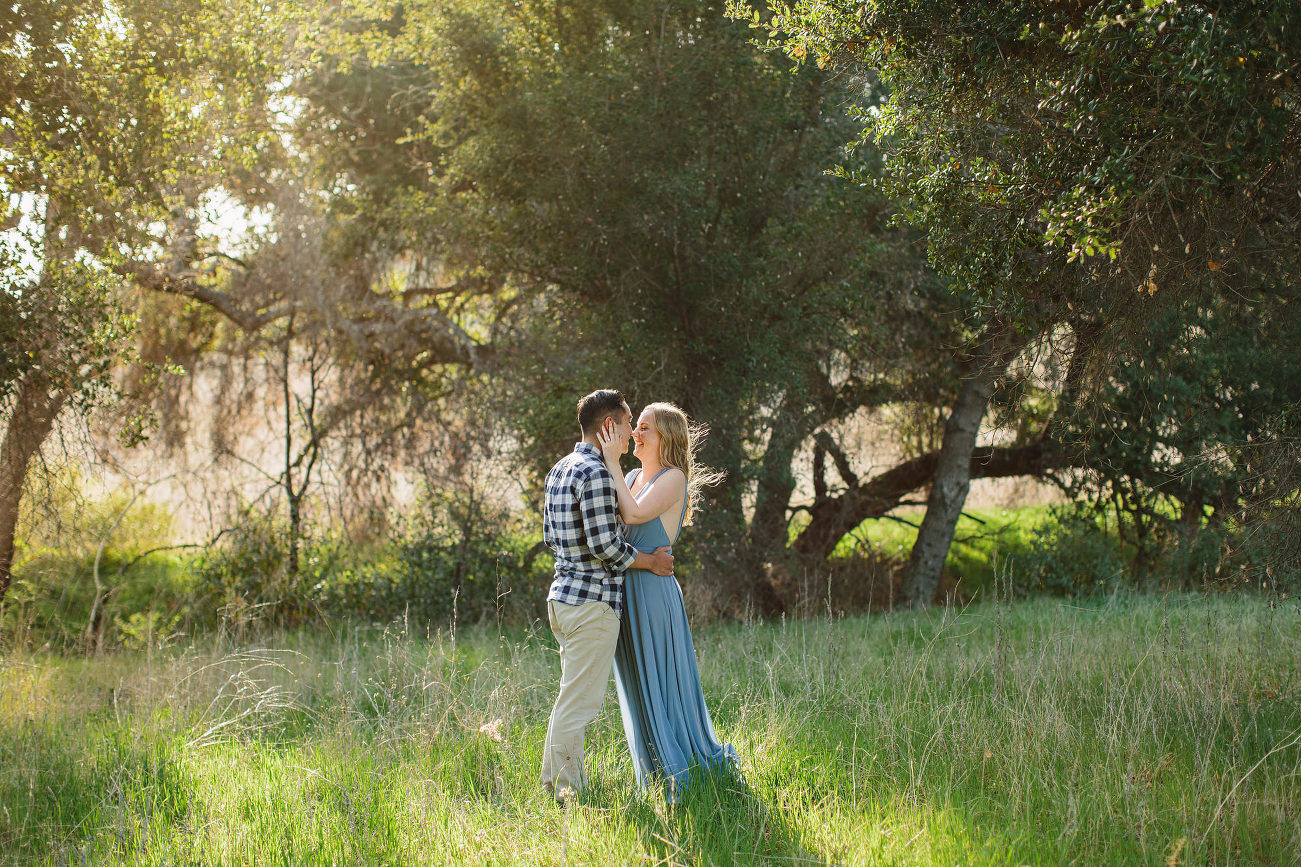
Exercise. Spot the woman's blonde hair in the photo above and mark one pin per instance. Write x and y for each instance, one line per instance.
(680, 440)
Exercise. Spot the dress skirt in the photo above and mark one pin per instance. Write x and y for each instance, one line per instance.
(666, 722)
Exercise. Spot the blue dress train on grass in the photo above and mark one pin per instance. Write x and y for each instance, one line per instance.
(655, 672)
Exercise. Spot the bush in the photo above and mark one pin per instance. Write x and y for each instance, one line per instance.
(1189, 560)
(247, 578)
(1260, 555)
(54, 592)
(457, 556)
(1071, 555)
(454, 556)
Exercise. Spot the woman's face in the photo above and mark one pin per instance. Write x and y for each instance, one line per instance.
(645, 439)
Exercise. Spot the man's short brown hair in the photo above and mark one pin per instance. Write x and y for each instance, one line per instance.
(595, 408)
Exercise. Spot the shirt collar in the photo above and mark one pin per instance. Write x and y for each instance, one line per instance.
(587, 449)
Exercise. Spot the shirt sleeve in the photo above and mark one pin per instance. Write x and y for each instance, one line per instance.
(599, 505)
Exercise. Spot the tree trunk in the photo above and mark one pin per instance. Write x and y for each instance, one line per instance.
(291, 497)
(776, 483)
(952, 478)
(36, 406)
(804, 409)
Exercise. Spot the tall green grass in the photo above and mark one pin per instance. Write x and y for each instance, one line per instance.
(1130, 730)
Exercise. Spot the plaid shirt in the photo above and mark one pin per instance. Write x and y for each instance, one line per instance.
(580, 524)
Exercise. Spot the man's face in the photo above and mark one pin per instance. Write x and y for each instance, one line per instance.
(623, 427)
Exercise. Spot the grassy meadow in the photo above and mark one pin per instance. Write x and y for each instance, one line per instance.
(1130, 730)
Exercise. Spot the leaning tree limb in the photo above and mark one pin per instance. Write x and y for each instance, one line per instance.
(833, 517)
(802, 411)
(952, 477)
(186, 285)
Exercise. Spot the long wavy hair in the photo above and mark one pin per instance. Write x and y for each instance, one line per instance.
(680, 440)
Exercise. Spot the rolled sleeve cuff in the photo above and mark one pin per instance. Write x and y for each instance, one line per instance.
(621, 557)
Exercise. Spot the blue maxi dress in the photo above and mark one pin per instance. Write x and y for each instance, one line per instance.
(655, 672)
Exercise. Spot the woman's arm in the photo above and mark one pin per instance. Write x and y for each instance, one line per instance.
(668, 491)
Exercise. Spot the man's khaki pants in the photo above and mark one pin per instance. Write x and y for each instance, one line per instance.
(587, 634)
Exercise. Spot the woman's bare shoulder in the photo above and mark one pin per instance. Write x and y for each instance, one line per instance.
(675, 476)
(674, 481)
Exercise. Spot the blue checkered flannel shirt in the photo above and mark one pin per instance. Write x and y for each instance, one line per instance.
(580, 524)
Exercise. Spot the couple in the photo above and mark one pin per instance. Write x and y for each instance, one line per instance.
(615, 600)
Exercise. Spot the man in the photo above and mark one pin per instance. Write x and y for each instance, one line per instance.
(580, 525)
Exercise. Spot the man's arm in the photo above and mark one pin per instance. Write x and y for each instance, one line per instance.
(599, 509)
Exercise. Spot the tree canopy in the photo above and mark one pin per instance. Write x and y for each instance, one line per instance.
(1104, 166)
(1076, 223)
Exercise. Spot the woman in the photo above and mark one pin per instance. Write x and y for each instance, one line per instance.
(664, 715)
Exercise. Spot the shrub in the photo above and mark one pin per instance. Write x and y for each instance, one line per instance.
(1189, 560)
(247, 577)
(1260, 555)
(54, 591)
(1071, 554)
(456, 556)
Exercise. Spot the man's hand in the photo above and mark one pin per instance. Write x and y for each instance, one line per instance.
(659, 561)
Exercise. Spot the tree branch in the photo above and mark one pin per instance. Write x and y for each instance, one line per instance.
(831, 447)
(834, 517)
(155, 279)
